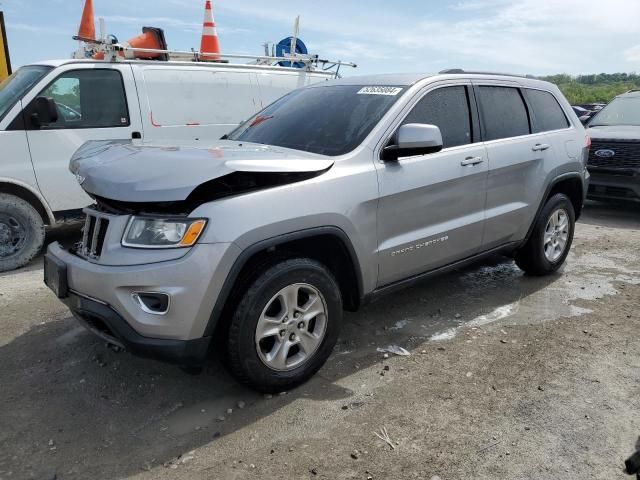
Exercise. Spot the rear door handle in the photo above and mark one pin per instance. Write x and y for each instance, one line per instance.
(471, 161)
(540, 147)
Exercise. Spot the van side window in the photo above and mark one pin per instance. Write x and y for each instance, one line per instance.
(448, 109)
(503, 112)
(88, 99)
(547, 112)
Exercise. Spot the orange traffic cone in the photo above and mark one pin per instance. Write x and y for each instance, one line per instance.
(209, 47)
(87, 30)
(152, 38)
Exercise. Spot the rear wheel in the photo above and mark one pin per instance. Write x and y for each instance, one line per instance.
(21, 232)
(550, 241)
(285, 325)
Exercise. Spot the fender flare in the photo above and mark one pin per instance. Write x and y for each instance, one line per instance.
(35, 193)
(545, 197)
(265, 244)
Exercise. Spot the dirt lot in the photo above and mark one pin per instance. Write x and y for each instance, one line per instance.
(509, 377)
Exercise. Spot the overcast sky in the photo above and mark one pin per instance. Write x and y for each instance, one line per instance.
(520, 36)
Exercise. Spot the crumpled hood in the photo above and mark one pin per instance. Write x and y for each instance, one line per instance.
(618, 132)
(119, 170)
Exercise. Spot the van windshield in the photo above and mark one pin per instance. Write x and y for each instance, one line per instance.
(621, 111)
(13, 88)
(328, 120)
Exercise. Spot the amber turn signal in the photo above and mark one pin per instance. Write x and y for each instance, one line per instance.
(193, 232)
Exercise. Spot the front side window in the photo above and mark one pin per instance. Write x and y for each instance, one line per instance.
(503, 112)
(88, 99)
(548, 113)
(448, 109)
(621, 111)
(13, 88)
(328, 120)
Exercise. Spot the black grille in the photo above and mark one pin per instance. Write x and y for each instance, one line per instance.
(612, 192)
(95, 231)
(626, 155)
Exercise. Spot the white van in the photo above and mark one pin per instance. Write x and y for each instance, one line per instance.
(48, 110)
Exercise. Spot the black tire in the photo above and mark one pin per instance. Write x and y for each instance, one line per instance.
(531, 257)
(18, 249)
(243, 358)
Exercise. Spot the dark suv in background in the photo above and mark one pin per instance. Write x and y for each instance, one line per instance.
(614, 160)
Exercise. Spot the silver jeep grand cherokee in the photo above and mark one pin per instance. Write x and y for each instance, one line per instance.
(330, 197)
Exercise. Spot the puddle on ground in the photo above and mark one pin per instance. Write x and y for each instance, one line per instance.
(496, 291)
(586, 277)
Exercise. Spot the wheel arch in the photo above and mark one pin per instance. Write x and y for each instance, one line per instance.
(336, 252)
(28, 194)
(572, 187)
(570, 184)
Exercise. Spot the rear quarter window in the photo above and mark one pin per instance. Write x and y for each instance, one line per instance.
(503, 112)
(547, 113)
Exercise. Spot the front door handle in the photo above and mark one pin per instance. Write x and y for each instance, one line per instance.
(540, 147)
(471, 161)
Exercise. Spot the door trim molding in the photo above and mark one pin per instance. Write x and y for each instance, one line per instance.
(409, 281)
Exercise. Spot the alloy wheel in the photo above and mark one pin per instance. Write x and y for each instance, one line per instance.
(556, 234)
(291, 327)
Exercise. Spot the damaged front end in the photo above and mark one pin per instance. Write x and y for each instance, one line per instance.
(235, 183)
(128, 179)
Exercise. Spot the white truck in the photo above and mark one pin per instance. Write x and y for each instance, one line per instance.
(49, 109)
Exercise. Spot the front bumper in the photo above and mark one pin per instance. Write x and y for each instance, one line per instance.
(105, 322)
(101, 297)
(609, 186)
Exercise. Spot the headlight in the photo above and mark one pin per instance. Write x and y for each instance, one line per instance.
(144, 232)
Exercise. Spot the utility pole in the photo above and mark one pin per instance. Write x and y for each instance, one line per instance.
(5, 62)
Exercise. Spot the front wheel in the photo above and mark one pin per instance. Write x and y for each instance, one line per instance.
(285, 325)
(550, 241)
(21, 232)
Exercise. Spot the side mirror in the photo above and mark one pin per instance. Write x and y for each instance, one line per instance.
(414, 139)
(43, 112)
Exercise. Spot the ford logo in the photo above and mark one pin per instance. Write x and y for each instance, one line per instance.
(605, 153)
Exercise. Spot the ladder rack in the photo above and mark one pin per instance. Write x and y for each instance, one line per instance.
(311, 62)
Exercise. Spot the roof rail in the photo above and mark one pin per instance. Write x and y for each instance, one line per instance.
(460, 70)
(633, 90)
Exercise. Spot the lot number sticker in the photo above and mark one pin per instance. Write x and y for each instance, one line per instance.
(379, 91)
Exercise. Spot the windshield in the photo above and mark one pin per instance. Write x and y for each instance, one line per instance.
(14, 87)
(331, 120)
(621, 111)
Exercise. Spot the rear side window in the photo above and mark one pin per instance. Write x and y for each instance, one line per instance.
(88, 99)
(504, 113)
(448, 109)
(547, 112)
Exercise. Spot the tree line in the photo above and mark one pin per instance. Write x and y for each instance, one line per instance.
(594, 88)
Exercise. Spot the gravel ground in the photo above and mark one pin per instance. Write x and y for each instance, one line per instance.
(509, 377)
